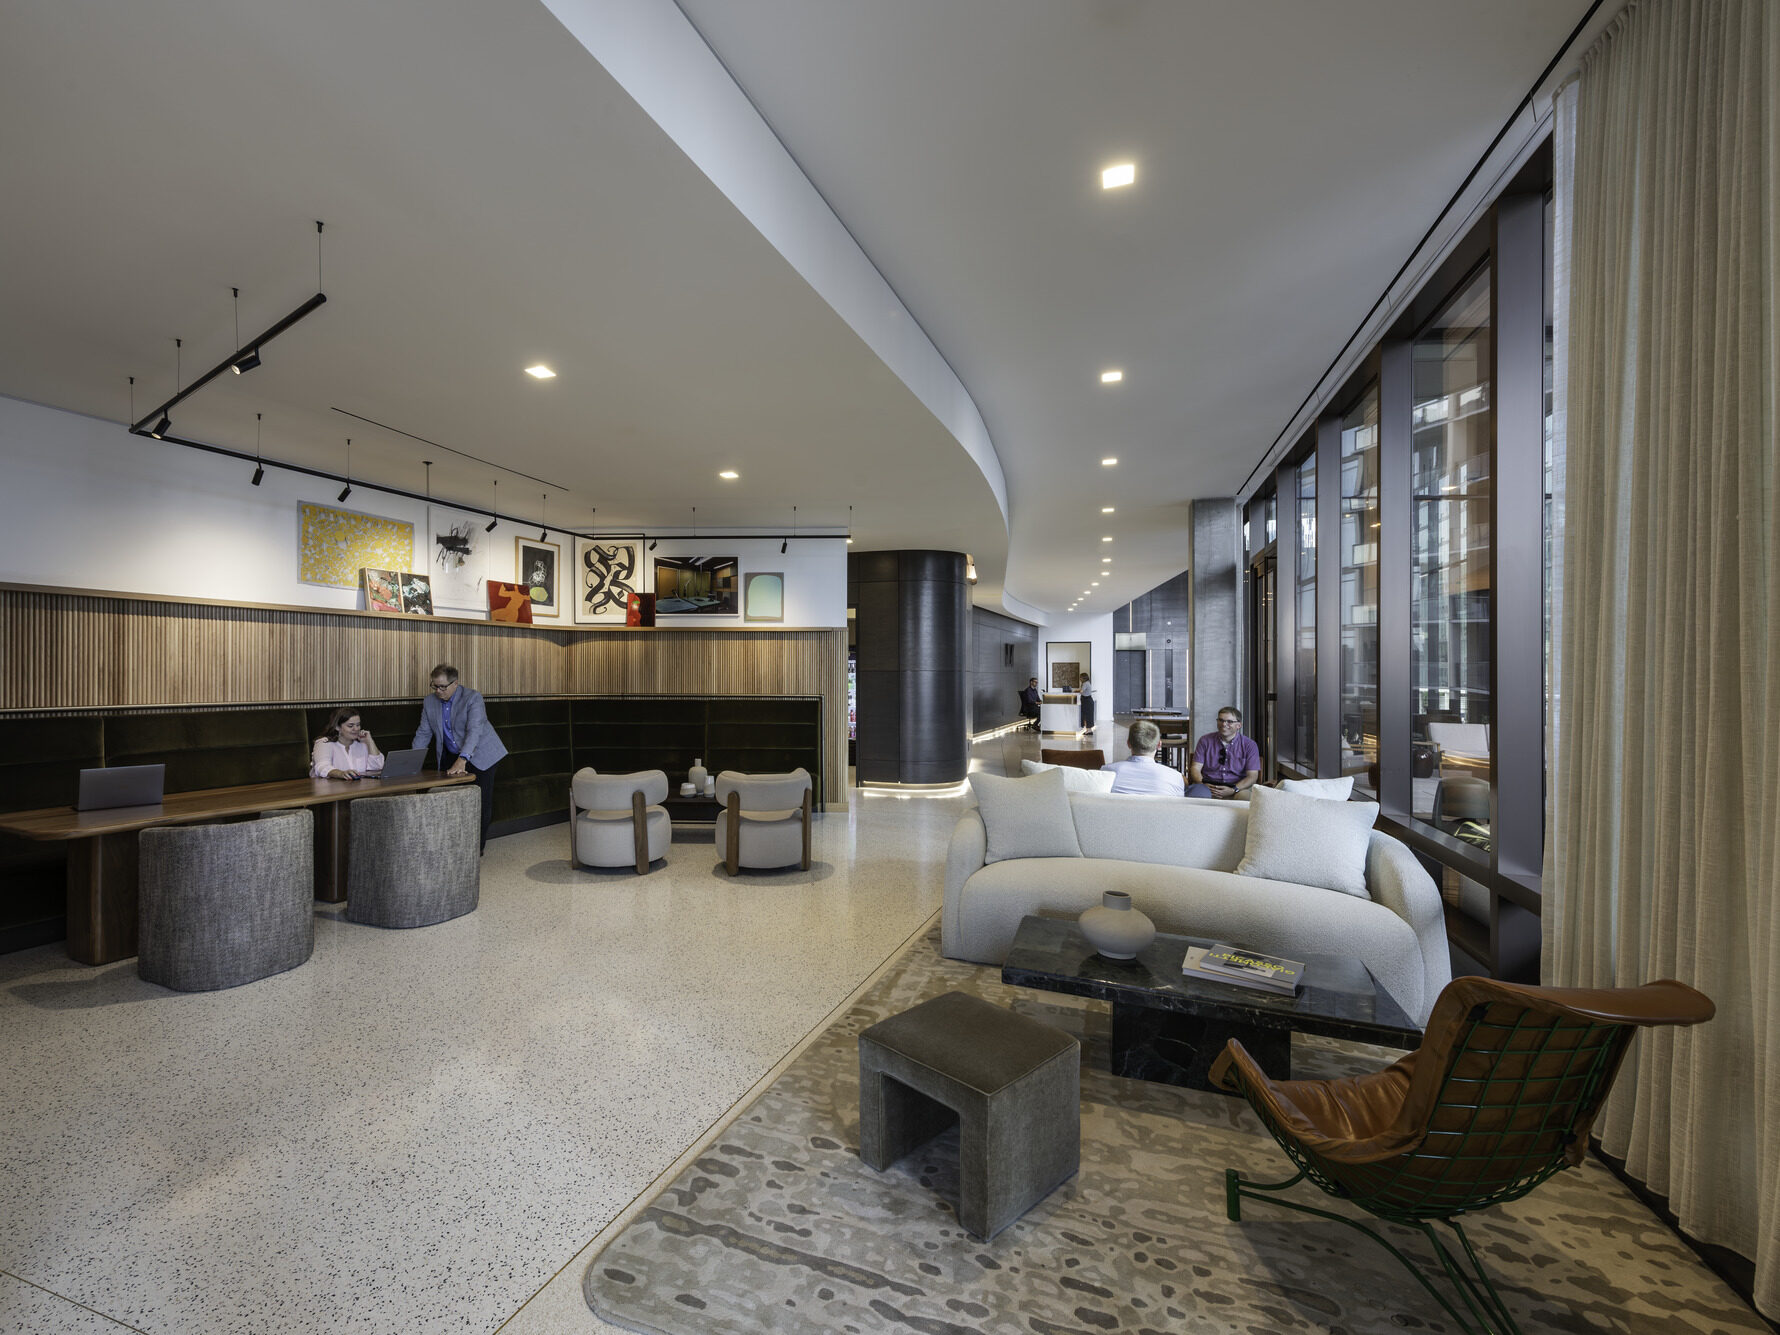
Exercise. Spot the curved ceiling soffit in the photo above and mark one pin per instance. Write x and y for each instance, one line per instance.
(651, 48)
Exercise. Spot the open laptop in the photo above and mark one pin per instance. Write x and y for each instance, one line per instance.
(401, 764)
(120, 786)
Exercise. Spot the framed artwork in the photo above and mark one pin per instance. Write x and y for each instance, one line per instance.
(417, 594)
(763, 597)
(1066, 663)
(383, 590)
(457, 556)
(605, 577)
(509, 602)
(697, 586)
(536, 566)
(334, 545)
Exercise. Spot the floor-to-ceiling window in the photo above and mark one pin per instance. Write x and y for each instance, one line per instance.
(1304, 618)
(1359, 592)
(1451, 608)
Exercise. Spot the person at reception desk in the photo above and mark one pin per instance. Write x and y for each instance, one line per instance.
(1029, 701)
(346, 750)
(1140, 773)
(1087, 690)
(1225, 763)
(455, 717)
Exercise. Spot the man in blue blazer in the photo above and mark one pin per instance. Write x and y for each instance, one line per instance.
(466, 742)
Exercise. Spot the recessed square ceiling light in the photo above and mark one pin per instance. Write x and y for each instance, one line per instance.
(1105, 559)
(1110, 461)
(1111, 377)
(1106, 509)
(541, 372)
(729, 475)
(1095, 583)
(1122, 173)
(1107, 538)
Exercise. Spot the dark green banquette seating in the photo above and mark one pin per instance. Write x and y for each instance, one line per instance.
(548, 738)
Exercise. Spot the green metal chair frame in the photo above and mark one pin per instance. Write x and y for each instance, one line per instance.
(1499, 1097)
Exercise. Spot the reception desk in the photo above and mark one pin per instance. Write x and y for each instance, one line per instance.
(1060, 712)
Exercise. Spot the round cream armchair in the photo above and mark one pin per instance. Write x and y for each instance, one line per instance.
(616, 820)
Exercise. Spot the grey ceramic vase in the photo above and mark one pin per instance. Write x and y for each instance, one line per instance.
(1115, 929)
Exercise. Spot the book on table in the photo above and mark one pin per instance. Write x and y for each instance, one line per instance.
(1244, 968)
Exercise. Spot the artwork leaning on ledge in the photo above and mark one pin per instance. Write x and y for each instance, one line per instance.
(697, 586)
(605, 577)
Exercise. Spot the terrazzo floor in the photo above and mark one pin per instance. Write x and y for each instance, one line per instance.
(424, 1131)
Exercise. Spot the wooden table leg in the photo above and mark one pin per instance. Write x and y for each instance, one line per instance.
(333, 840)
(101, 902)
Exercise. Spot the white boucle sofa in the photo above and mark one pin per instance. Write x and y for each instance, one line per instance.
(1177, 859)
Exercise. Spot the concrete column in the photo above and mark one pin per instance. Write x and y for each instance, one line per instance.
(1215, 565)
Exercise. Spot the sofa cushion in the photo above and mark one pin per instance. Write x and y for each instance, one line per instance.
(1180, 832)
(1075, 779)
(1308, 840)
(1335, 790)
(1026, 818)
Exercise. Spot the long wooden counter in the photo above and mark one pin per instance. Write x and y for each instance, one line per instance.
(102, 862)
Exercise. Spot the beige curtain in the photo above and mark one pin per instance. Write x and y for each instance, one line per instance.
(1663, 849)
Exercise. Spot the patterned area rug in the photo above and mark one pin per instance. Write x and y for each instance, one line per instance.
(780, 1228)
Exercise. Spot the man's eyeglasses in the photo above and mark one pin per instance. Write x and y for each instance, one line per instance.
(441, 686)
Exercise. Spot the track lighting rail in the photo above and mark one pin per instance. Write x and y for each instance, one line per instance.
(140, 428)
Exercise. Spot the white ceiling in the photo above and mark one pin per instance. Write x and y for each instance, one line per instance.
(494, 197)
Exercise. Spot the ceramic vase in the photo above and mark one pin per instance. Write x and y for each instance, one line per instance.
(697, 775)
(1115, 929)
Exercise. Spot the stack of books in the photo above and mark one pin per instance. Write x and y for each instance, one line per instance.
(1244, 968)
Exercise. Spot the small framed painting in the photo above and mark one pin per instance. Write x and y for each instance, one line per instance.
(383, 590)
(509, 602)
(417, 594)
(538, 568)
(763, 596)
(697, 586)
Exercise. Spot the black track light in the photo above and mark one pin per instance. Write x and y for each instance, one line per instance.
(652, 542)
(347, 489)
(161, 427)
(783, 544)
(543, 534)
(494, 508)
(544, 524)
(259, 474)
(344, 492)
(248, 361)
(489, 526)
(259, 469)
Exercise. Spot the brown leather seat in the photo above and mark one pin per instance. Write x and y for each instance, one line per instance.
(1051, 755)
(1500, 1095)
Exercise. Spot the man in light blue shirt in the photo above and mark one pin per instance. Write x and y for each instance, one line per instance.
(1141, 773)
(455, 719)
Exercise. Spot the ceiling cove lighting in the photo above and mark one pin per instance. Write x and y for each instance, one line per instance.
(1111, 377)
(540, 372)
(1117, 175)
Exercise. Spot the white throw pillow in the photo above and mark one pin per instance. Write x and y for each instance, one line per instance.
(1075, 779)
(1336, 790)
(1308, 840)
(1026, 818)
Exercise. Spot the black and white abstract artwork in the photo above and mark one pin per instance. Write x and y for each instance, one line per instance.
(457, 557)
(605, 577)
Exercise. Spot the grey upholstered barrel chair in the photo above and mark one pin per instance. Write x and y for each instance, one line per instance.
(222, 905)
(765, 821)
(617, 820)
(416, 857)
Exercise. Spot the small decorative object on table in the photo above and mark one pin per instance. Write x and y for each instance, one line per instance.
(688, 790)
(697, 775)
(710, 785)
(1115, 929)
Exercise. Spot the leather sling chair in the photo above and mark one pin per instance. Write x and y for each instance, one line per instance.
(1499, 1096)
(1053, 755)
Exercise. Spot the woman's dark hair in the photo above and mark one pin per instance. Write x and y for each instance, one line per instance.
(340, 716)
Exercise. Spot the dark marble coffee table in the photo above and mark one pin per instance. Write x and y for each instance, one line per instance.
(1170, 1027)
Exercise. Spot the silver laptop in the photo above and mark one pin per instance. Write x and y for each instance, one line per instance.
(401, 764)
(121, 786)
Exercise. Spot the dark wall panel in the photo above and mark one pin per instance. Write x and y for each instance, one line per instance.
(1004, 657)
(911, 621)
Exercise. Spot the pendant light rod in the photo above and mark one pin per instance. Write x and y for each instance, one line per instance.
(140, 427)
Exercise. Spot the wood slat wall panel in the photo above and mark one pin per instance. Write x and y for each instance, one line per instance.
(86, 651)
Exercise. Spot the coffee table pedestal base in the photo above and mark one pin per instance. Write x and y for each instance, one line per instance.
(1174, 1049)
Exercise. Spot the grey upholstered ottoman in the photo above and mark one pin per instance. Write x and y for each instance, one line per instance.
(1013, 1085)
(222, 905)
(416, 858)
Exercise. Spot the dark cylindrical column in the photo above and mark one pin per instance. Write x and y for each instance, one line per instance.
(911, 610)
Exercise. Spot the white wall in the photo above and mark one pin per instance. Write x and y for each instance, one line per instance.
(1097, 630)
(86, 505)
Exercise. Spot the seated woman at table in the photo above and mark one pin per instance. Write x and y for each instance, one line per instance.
(346, 750)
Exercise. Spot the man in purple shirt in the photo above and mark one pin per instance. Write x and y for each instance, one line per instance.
(1225, 763)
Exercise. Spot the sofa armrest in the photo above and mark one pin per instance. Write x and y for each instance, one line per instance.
(965, 856)
(1396, 880)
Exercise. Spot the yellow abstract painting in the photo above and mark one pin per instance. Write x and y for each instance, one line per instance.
(334, 545)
